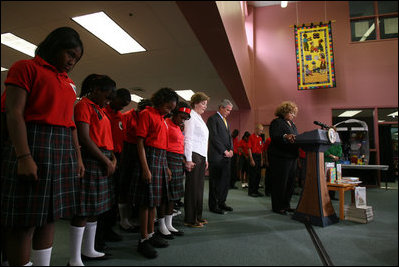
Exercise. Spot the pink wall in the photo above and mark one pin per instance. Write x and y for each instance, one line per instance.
(366, 73)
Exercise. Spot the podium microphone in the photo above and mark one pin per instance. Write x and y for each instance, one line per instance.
(322, 125)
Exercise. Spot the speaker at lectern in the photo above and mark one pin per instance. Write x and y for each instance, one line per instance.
(314, 205)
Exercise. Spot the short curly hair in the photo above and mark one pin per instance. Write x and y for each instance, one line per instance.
(286, 107)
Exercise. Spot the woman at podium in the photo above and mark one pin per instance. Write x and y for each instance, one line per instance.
(283, 156)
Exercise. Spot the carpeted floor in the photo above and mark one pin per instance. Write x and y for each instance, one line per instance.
(253, 235)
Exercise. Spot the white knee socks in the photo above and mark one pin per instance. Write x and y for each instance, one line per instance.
(168, 222)
(124, 214)
(41, 257)
(75, 245)
(88, 241)
(162, 226)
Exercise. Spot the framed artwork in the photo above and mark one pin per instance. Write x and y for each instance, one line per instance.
(314, 54)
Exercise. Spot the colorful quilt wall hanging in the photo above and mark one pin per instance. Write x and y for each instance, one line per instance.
(314, 54)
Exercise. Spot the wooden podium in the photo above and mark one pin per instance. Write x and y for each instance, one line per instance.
(314, 205)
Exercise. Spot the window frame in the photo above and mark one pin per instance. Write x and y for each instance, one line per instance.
(376, 17)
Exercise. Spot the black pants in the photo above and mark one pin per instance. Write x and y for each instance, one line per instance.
(268, 181)
(234, 170)
(283, 178)
(254, 175)
(219, 183)
(194, 190)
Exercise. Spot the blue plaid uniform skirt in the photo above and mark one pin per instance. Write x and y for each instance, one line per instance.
(175, 163)
(151, 195)
(96, 189)
(35, 203)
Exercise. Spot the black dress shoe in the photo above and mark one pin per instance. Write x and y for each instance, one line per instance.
(87, 258)
(227, 208)
(169, 236)
(178, 233)
(253, 195)
(259, 194)
(157, 241)
(290, 210)
(147, 250)
(218, 211)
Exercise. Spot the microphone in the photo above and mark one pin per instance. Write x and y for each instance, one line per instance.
(322, 125)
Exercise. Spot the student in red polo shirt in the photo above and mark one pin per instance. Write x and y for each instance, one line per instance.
(255, 149)
(36, 188)
(129, 164)
(175, 156)
(105, 222)
(244, 160)
(234, 159)
(150, 185)
(95, 195)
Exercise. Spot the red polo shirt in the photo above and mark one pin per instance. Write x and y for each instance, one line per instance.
(235, 145)
(100, 126)
(51, 95)
(117, 127)
(175, 138)
(153, 128)
(130, 119)
(244, 146)
(255, 143)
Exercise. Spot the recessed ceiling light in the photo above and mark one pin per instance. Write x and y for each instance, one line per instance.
(284, 4)
(185, 94)
(349, 113)
(393, 115)
(18, 43)
(135, 98)
(109, 32)
(3, 69)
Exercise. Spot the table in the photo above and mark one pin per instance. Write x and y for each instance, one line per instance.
(365, 171)
(341, 188)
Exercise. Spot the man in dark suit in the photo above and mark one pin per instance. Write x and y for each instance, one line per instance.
(220, 152)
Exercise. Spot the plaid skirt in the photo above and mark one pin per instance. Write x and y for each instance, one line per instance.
(96, 189)
(176, 187)
(26, 204)
(151, 195)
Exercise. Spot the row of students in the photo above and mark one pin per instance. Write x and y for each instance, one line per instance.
(58, 159)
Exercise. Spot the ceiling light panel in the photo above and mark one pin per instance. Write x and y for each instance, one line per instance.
(3, 69)
(18, 43)
(109, 32)
(349, 113)
(185, 94)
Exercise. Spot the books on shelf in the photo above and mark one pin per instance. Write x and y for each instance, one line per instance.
(362, 214)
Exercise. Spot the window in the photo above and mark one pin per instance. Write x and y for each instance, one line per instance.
(373, 20)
